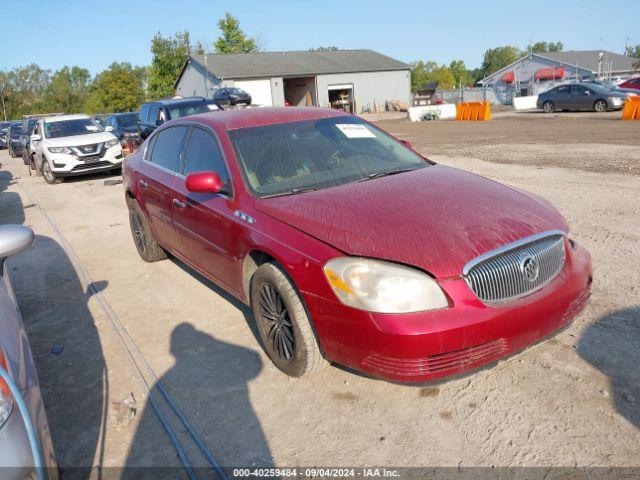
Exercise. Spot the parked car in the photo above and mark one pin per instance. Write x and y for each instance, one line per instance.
(579, 96)
(28, 151)
(123, 125)
(70, 145)
(14, 134)
(231, 96)
(17, 458)
(352, 248)
(4, 130)
(154, 114)
(633, 83)
(612, 86)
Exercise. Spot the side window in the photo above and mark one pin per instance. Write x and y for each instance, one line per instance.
(144, 113)
(203, 155)
(167, 148)
(563, 89)
(36, 129)
(149, 149)
(153, 114)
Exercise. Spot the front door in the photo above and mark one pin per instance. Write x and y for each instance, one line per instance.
(581, 98)
(204, 221)
(159, 172)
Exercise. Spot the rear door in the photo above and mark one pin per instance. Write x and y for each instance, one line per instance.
(158, 172)
(582, 98)
(204, 221)
(562, 98)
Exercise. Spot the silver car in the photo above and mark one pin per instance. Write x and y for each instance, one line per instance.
(19, 452)
(579, 96)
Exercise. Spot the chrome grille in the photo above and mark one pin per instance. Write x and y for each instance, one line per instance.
(517, 269)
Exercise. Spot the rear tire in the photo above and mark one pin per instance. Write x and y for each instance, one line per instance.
(48, 175)
(548, 107)
(600, 106)
(283, 324)
(146, 244)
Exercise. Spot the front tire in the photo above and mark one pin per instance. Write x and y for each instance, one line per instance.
(148, 249)
(283, 324)
(548, 107)
(48, 175)
(600, 106)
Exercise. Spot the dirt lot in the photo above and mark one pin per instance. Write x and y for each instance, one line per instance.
(572, 400)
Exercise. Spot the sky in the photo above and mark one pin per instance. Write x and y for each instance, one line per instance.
(93, 34)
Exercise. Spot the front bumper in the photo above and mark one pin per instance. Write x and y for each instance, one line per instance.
(429, 345)
(66, 165)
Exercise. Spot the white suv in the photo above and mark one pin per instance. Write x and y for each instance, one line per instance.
(68, 145)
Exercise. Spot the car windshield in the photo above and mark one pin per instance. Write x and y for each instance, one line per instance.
(129, 120)
(188, 109)
(288, 158)
(4, 126)
(16, 128)
(70, 128)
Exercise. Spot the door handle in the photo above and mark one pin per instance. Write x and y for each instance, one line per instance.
(143, 184)
(178, 203)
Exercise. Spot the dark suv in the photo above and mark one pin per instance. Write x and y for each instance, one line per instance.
(13, 139)
(154, 114)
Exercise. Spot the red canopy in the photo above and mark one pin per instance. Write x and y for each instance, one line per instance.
(549, 73)
(508, 77)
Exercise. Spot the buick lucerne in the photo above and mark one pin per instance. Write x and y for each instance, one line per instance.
(352, 248)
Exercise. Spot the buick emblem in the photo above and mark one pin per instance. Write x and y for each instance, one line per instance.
(530, 268)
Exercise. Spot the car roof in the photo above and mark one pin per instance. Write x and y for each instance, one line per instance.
(60, 118)
(177, 101)
(260, 116)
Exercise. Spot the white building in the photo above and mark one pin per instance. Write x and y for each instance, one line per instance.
(355, 80)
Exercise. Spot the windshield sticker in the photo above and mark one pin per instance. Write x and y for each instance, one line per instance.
(91, 128)
(354, 130)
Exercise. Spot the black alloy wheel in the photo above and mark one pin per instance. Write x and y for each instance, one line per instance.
(274, 313)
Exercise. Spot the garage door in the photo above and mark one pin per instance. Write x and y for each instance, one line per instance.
(260, 90)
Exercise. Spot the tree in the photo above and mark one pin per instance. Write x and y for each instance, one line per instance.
(169, 55)
(68, 90)
(119, 88)
(233, 39)
(497, 58)
(462, 76)
(22, 90)
(632, 51)
(542, 47)
(424, 73)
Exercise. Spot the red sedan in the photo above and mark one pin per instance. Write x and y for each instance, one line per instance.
(352, 248)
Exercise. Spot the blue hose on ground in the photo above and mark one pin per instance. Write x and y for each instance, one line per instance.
(26, 419)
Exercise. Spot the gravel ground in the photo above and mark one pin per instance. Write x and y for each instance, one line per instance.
(572, 400)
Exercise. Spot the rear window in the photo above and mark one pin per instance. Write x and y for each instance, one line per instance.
(188, 109)
(129, 120)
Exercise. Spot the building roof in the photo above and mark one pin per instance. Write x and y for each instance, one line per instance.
(589, 59)
(295, 64)
(584, 59)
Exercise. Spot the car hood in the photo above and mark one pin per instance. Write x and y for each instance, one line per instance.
(77, 140)
(436, 218)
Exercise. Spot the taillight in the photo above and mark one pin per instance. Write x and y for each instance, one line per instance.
(6, 399)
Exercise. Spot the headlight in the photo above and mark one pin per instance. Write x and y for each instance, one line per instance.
(59, 150)
(6, 399)
(112, 143)
(383, 287)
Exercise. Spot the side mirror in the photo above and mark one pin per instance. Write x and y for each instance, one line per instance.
(14, 239)
(204, 182)
(109, 128)
(407, 143)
